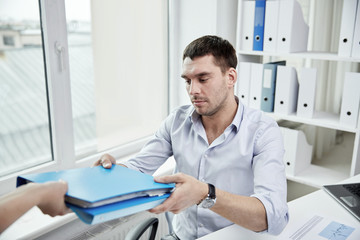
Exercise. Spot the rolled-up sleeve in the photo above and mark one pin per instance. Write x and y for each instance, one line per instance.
(269, 177)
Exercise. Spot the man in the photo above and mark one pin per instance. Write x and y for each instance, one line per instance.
(228, 157)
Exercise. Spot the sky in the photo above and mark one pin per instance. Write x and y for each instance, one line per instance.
(29, 10)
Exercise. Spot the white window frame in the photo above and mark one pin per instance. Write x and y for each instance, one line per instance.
(54, 30)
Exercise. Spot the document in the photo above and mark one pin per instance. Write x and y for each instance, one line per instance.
(355, 52)
(97, 186)
(347, 27)
(271, 26)
(259, 21)
(320, 227)
(243, 87)
(286, 91)
(269, 85)
(247, 25)
(109, 212)
(292, 30)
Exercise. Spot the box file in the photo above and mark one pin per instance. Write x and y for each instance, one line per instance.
(247, 25)
(269, 85)
(350, 100)
(259, 20)
(271, 25)
(287, 90)
(243, 87)
(292, 30)
(97, 186)
(307, 90)
(355, 51)
(347, 27)
(256, 85)
(298, 152)
(116, 210)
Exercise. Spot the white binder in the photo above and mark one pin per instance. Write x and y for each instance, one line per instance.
(256, 85)
(347, 27)
(287, 89)
(307, 90)
(271, 25)
(292, 30)
(247, 25)
(350, 100)
(355, 52)
(298, 152)
(243, 86)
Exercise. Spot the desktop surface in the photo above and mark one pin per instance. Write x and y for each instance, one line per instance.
(318, 203)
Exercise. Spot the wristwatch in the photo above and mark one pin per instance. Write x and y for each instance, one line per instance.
(210, 199)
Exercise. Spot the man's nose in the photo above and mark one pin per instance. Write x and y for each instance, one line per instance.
(194, 88)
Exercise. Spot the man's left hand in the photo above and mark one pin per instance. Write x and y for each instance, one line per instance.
(188, 191)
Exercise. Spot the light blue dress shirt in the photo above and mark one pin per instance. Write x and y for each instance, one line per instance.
(247, 159)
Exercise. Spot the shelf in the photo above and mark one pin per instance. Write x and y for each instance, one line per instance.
(311, 55)
(320, 119)
(317, 176)
(333, 167)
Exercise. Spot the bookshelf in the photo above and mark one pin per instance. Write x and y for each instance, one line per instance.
(342, 160)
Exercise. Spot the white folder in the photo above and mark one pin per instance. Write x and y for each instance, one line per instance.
(298, 152)
(347, 27)
(247, 25)
(307, 90)
(256, 85)
(355, 52)
(350, 100)
(243, 86)
(287, 89)
(292, 30)
(271, 25)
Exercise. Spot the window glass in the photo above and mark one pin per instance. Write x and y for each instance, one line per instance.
(24, 122)
(118, 71)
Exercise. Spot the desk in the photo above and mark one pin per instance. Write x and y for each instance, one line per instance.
(318, 202)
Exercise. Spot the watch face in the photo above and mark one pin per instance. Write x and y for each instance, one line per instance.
(208, 203)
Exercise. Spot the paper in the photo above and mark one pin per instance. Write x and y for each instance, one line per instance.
(318, 227)
(337, 231)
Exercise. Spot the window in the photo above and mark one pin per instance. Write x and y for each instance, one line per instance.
(24, 122)
(118, 71)
(91, 78)
(8, 40)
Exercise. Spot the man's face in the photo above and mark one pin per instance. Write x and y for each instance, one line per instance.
(207, 86)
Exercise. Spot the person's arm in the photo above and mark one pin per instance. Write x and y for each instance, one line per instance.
(49, 197)
(248, 212)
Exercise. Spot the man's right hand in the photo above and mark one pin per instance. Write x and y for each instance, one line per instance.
(106, 161)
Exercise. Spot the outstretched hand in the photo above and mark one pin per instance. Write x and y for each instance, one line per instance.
(52, 200)
(188, 191)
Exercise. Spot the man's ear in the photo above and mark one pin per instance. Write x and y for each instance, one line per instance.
(232, 77)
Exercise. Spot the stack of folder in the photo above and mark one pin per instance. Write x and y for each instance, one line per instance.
(349, 41)
(273, 26)
(97, 194)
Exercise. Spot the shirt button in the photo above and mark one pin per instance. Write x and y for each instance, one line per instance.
(201, 225)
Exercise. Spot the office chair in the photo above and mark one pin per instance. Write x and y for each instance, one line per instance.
(136, 232)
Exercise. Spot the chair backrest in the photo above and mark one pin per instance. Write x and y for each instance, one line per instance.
(136, 232)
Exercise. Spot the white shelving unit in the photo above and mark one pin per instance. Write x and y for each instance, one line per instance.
(342, 161)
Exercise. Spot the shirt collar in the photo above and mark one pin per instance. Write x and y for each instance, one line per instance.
(194, 116)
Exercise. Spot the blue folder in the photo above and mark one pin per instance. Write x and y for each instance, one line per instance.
(269, 86)
(259, 22)
(112, 211)
(97, 186)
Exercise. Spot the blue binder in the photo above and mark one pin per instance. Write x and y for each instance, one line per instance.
(112, 211)
(259, 22)
(97, 186)
(269, 86)
(97, 194)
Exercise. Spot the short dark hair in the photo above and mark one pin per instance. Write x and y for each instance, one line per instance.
(222, 50)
